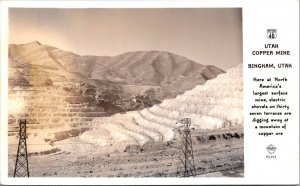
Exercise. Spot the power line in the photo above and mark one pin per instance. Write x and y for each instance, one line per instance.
(186, 148)
(21, 166)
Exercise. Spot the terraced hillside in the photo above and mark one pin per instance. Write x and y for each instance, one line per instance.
(61, 93)
(76, 106)
(142, 143)
(52, 112)
(216, 105)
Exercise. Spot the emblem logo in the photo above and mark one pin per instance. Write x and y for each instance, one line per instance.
(271, 149)
(271, 33)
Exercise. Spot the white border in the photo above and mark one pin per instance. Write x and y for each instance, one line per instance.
(95, 4)
(117, 181)
(88, 4)
(123, 4)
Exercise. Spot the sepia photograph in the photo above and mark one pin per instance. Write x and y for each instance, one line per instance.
(125, 92)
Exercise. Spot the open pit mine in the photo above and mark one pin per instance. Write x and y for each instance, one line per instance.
(90, 116)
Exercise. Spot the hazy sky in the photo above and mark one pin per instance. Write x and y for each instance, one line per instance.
(207, 36)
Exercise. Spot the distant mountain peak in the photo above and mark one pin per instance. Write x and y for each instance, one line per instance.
(37, 43)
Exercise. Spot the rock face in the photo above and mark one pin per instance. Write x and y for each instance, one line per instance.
(217, 104)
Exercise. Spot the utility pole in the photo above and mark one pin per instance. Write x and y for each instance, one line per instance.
(186, 147)
(21, 166)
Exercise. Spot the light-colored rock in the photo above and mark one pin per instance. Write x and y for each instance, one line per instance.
(218, 104)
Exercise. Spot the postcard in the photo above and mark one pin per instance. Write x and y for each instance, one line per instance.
(149, 92)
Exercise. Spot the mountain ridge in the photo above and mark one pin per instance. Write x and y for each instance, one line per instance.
(173, 73)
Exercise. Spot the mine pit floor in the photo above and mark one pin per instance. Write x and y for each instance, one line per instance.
(213, 158)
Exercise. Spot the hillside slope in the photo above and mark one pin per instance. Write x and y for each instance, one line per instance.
(216, 105)
(171, 73)
(61, 93)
